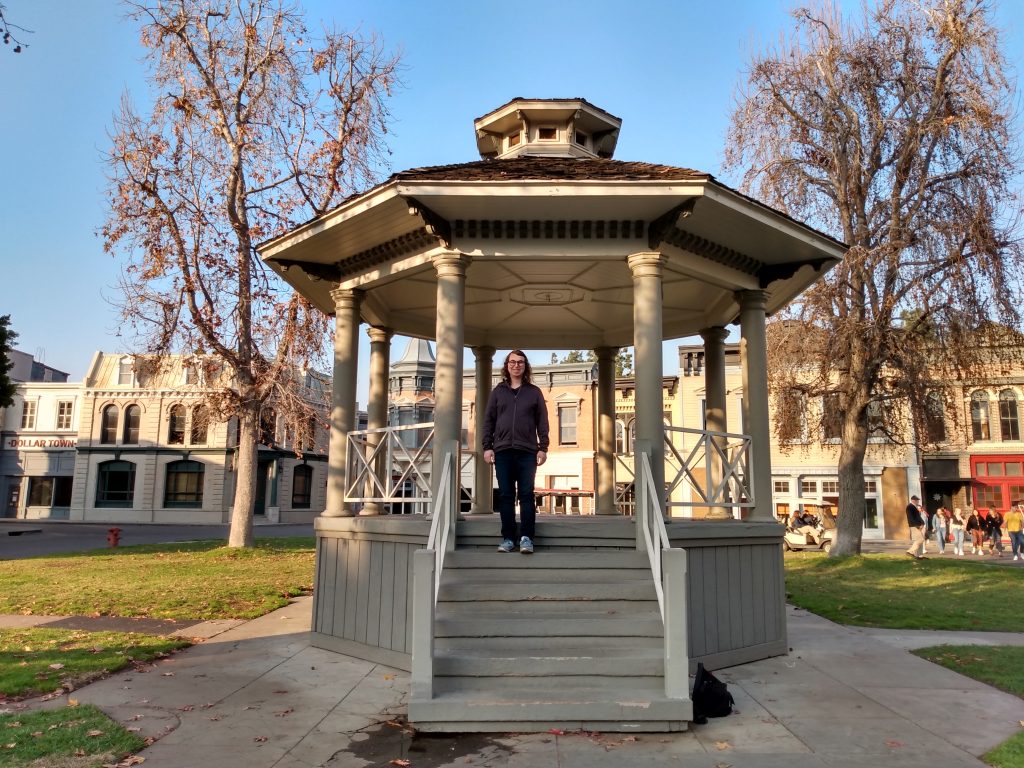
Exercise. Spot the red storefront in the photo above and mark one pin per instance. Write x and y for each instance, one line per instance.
(998, 481)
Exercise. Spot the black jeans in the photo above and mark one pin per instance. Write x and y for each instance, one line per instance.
(516, 470)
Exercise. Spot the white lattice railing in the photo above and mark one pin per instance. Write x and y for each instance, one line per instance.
(390, 465)
(691, 477)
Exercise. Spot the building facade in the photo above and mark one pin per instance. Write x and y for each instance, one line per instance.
(136, 442)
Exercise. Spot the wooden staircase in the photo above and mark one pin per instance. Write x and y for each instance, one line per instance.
(565, 638)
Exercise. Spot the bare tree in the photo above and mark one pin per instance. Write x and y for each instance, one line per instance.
(894, 132)
(8, 32)
(255, 127)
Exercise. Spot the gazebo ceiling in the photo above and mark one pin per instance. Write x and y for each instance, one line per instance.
(549, 238)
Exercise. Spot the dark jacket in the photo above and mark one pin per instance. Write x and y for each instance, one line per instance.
(914, 519)
(516, 419)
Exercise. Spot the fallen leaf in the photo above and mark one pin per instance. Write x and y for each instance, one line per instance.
(401, 763)
(57, 666)
(722, 745)
(894, 744)
(723, 765)
(167, 674)
(186, 708)
(12, 745)
(260, 738)
(278, 692)
(284, 712)
(94, 732)
(72, 702)
(556, 731)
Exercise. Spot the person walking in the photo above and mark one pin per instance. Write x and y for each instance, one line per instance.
(515, 441)
(940, 522)
(915, 521)
(957, 526)
(1014, 521)
(976, 531)
(995, 533)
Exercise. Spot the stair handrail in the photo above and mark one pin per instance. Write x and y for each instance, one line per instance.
(651, 523)
(445, 509)
(428, 564)
(668, 567)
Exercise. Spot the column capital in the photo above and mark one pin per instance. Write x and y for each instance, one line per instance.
(346, 298)
(752, 299)
(484, 352)
(648, 264)
(451, 263)
(715, 333)
(606, 353)
(379, 335)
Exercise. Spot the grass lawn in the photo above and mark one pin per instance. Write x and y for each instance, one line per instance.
(193, 580)
(897, 592)
(37, 660)
(73, 737)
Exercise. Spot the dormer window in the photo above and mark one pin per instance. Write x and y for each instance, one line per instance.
(514, 139)
(581, 138)
(547, 133)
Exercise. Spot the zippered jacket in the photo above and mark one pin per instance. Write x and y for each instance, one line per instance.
(516, 419)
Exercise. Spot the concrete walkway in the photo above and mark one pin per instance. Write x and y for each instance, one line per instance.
(256, 695)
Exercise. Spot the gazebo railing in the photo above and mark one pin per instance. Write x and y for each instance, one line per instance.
(690, 467)
(385, 466)
(731, 453)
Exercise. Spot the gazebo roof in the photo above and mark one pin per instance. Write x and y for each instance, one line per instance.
(548, 236)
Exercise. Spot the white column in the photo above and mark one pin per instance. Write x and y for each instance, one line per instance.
(647, 339)
(343, 395)
(715, 410)
(754, 358)
(450, 335)
(605, 500)
(377, 407)
(482, 494)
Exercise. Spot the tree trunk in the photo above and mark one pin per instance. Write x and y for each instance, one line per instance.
(850, 524)
(241, 534)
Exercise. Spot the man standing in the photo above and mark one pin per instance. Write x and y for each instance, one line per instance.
(515, 441)
(916, 523)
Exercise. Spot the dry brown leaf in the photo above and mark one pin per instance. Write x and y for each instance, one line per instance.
(722, 745)
(260, 739)
(58, 665)
(894, 744)
(401, 763)
(94, 732)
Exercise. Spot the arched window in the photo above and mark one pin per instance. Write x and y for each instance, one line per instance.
(979, 416)
(268, 426)
(1009, 424)
(132, 418)
(184, 486)
(176, 425)
(115, 484)
(108, 425)
(620, 437)
(302, 486)
(200, 425)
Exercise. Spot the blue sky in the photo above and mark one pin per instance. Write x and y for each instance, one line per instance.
(668, 68)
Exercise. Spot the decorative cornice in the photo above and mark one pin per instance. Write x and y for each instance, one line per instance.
(769, 273)
(536, 229)
(436, 225)
(719, 254)
(664, 224)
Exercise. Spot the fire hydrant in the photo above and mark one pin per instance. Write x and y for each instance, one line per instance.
(113, 537)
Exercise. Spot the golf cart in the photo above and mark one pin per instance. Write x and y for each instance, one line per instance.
(815, 528)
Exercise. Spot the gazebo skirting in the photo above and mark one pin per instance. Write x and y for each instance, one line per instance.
(735, 604)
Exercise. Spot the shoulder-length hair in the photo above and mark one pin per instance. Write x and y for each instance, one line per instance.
(527, 369)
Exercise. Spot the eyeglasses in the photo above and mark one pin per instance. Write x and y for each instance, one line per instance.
(516, 362)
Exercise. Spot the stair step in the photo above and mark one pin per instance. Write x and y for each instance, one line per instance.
(523, 610)
(532, 625)
(639, 707)
(613, 559)
(642, 663)
(606, 647)
(488, 589)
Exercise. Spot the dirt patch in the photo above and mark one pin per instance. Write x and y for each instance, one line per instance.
(396, 740)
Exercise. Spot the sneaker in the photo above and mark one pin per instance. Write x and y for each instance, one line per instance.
(507, 546)
(525, 545)
(1014, 557)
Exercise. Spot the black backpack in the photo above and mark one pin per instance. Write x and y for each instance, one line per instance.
(711, 697)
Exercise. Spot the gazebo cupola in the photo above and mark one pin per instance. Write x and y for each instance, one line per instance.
(547, 128)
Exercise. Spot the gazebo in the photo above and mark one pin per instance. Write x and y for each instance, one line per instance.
(549, 242)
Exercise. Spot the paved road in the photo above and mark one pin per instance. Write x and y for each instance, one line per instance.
(29, 538)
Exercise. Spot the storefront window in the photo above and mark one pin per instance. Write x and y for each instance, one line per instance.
(184, 484)
(115, 484)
